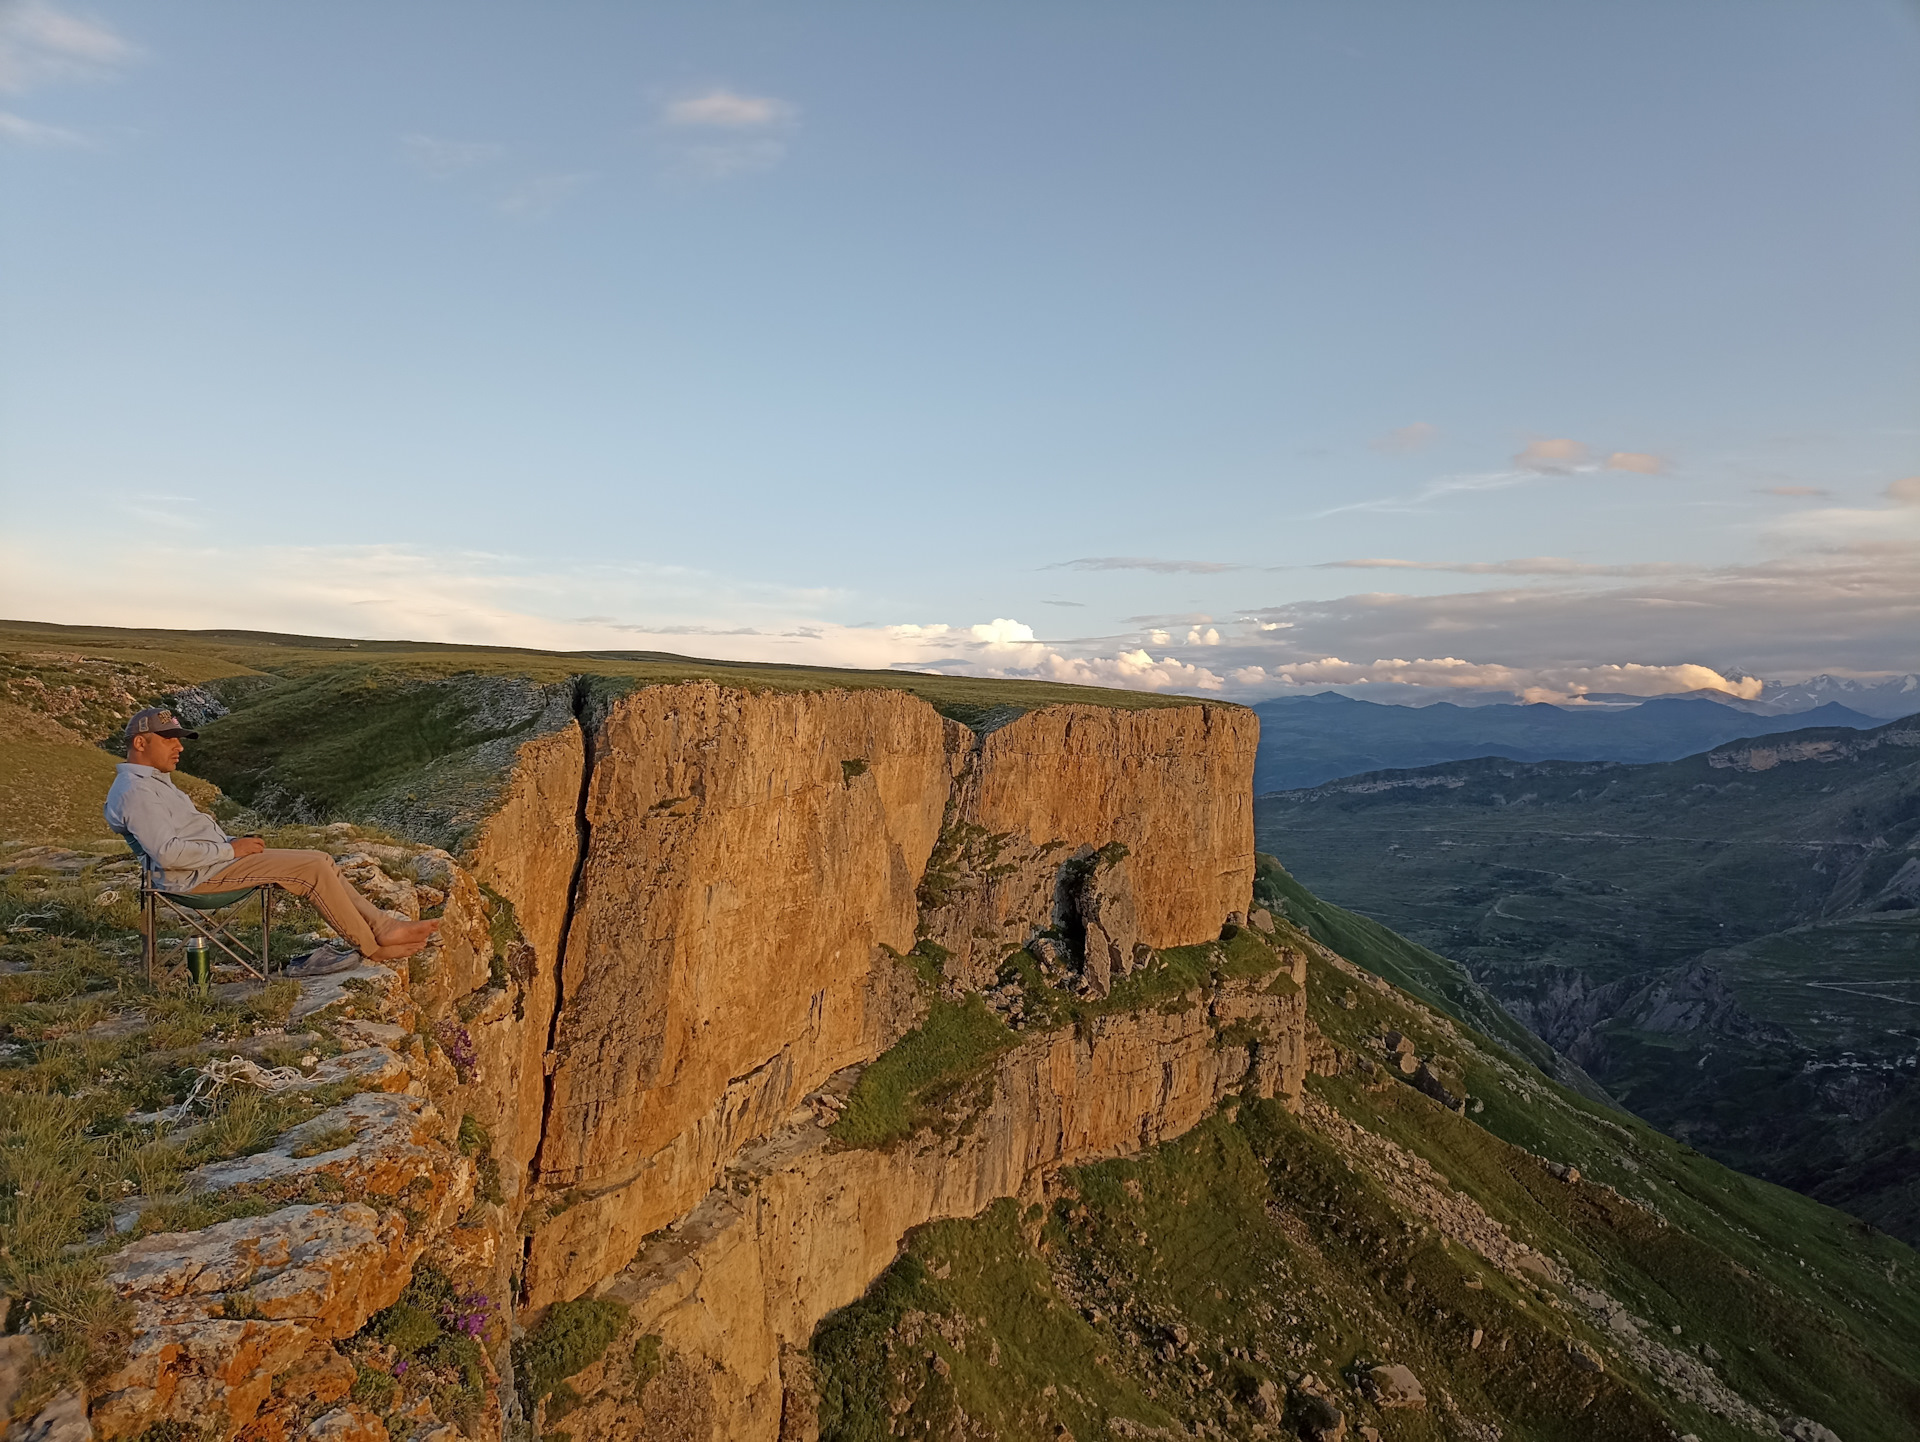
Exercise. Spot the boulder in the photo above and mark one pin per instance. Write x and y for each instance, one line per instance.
(1805, 1429)
(64, 1419)
(1320, 1420)
(1585, 1357)
(1393, 1385)
(1261, 920)
(1266, 1401)
(345, 1424)
(1429, 1081)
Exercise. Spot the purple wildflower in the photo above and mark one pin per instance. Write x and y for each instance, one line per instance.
(468, 1314)
(400, 1367)
(457, 1043)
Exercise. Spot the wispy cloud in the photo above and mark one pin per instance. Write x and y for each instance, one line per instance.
(1641, 462)
(727, 110)
(443, 158)
(1145, 563)
(1415, 437)
(1526, 566)
(720, 132)
(41, 44)
(1905, 491)
(539, 197)
(1794, 491)
(1553, 457)
(1537, 460)
(18, 130)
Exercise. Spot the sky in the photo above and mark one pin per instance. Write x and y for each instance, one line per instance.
(1536, 348)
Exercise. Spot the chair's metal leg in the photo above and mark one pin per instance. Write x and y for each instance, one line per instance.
(266, 932)
(149, 929)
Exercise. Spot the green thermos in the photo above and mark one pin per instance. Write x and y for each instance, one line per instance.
(199, 962)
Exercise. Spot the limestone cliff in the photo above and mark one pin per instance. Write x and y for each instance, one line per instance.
(710, 933)
(666, 955)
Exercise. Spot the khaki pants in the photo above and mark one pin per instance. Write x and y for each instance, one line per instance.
(312, 875)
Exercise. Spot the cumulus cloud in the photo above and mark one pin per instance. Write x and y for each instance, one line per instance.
(1415, 437)
(1851, 603)
(1530, 683)
(1145, 563)
(1553, 457)
(720, 132)
(1528, 566)
(1637, 461)
(443, 158)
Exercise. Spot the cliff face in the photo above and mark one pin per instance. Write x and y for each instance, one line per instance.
(670, 951)
(721, 946)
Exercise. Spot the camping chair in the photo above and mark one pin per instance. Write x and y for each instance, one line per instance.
(203, 914)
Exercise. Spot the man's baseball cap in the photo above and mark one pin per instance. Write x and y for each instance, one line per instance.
(158, 721)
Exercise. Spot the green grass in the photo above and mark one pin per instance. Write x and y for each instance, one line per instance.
(1270, 1248)
(908, 1084)
(572, 1337)
(1432, 978)
(412, 736)
(978, 1298)
(432, 1360)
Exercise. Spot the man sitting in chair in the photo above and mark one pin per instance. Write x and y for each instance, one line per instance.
(189, 853)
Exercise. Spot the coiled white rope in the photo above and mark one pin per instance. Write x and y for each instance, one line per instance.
(216, 1074)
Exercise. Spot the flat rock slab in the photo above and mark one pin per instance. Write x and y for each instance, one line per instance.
(323, 991)
(395, 1140)
(219, 1313)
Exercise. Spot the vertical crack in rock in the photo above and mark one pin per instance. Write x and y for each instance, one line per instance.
(583, 838)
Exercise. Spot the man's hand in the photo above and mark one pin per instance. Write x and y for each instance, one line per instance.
(247, 846)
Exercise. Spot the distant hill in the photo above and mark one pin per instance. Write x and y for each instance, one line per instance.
(1729, 943)
(1305, 740)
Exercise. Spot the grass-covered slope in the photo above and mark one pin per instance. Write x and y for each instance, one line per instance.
(412, 736)
(1219, 1284)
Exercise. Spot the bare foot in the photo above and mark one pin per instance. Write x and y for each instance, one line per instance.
(411, 934)
(398, 953)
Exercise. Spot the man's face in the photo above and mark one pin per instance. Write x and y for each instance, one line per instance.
(162, 753)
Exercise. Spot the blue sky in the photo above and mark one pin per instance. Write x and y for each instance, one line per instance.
(1233, 347)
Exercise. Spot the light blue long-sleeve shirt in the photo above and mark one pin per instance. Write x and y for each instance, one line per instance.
(185, 845)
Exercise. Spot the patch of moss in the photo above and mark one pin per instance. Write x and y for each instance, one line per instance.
(572, 1337)
(646, 1361)
(905, 1085)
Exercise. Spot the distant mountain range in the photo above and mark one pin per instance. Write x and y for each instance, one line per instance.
(1888, 700)
(1307, 740)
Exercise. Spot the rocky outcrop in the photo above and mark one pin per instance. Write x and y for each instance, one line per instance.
(801, 1225)
(227, 1317)
(1172, 787)
(684, 916)
(746, 863)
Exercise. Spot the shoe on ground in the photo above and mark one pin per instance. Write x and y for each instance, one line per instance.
(322, 962)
